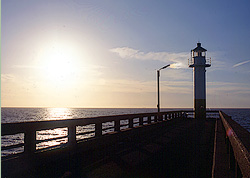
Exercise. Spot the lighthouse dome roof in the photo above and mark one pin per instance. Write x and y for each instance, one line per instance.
(199, 48)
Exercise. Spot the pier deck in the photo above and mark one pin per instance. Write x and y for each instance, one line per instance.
(171, 147)
(183, 150)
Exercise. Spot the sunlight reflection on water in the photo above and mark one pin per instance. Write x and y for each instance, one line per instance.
(54, 114)
(50, 134)
(49, 114)
(59, 113)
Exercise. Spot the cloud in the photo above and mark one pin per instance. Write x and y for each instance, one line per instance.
(7, 77)
(126, 52)
(241, 63)
(229, 87)
(136, 86)
(129, 53)
(26, 67)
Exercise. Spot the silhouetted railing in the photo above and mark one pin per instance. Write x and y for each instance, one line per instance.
(209, 113)
(86, 130)
(238, 146)
(77, 130)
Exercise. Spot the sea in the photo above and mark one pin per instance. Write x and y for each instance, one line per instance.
(12, 115)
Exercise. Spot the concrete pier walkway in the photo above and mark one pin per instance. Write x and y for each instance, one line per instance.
(162, 145)
(182, 148)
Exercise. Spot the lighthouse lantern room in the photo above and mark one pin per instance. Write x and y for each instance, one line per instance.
(199, 63)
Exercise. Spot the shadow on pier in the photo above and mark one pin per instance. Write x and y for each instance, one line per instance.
(182, 149)
(158, 145)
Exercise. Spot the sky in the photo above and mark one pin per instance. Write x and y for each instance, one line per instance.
(105, 53)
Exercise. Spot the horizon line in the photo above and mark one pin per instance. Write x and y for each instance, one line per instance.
(124, 107)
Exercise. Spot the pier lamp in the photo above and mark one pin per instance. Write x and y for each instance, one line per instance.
(158, 85)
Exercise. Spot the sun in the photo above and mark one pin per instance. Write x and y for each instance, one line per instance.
(60, 64)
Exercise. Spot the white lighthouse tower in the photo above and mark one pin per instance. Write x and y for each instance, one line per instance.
(199, 63)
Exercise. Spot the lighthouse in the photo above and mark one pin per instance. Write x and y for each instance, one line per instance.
(199, 63)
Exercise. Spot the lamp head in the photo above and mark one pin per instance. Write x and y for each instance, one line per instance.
(165, 67)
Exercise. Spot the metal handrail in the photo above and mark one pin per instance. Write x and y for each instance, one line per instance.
(191, 61)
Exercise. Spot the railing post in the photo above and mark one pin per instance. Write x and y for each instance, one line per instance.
(141, 120)
(149, 119)
(155, 118)
(131, 122)
(237, 170)
(231, 158)
(72, 135)
(159, 117)
(98, 129)
(117, 125)
(29, 141)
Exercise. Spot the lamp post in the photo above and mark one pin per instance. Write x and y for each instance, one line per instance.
(158, 85)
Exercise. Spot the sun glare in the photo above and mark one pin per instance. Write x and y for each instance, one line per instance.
(60, 64)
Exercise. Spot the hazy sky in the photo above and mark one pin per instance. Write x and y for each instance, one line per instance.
(89, 53)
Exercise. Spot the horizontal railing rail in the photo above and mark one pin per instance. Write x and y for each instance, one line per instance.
(238, 146)
(191, 61)
(77, 130)
(209, 113)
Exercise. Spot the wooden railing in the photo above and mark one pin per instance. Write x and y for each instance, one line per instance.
(100, 126)
(238, 146)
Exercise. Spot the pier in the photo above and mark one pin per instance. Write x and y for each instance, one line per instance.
(164, 144)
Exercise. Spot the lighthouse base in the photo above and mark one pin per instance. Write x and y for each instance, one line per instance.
(200, 108)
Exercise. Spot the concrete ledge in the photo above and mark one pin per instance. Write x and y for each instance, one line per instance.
(220, 157)
(240, 141)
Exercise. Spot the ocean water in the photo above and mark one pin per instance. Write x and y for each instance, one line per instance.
(241, 116)
(10, 115)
